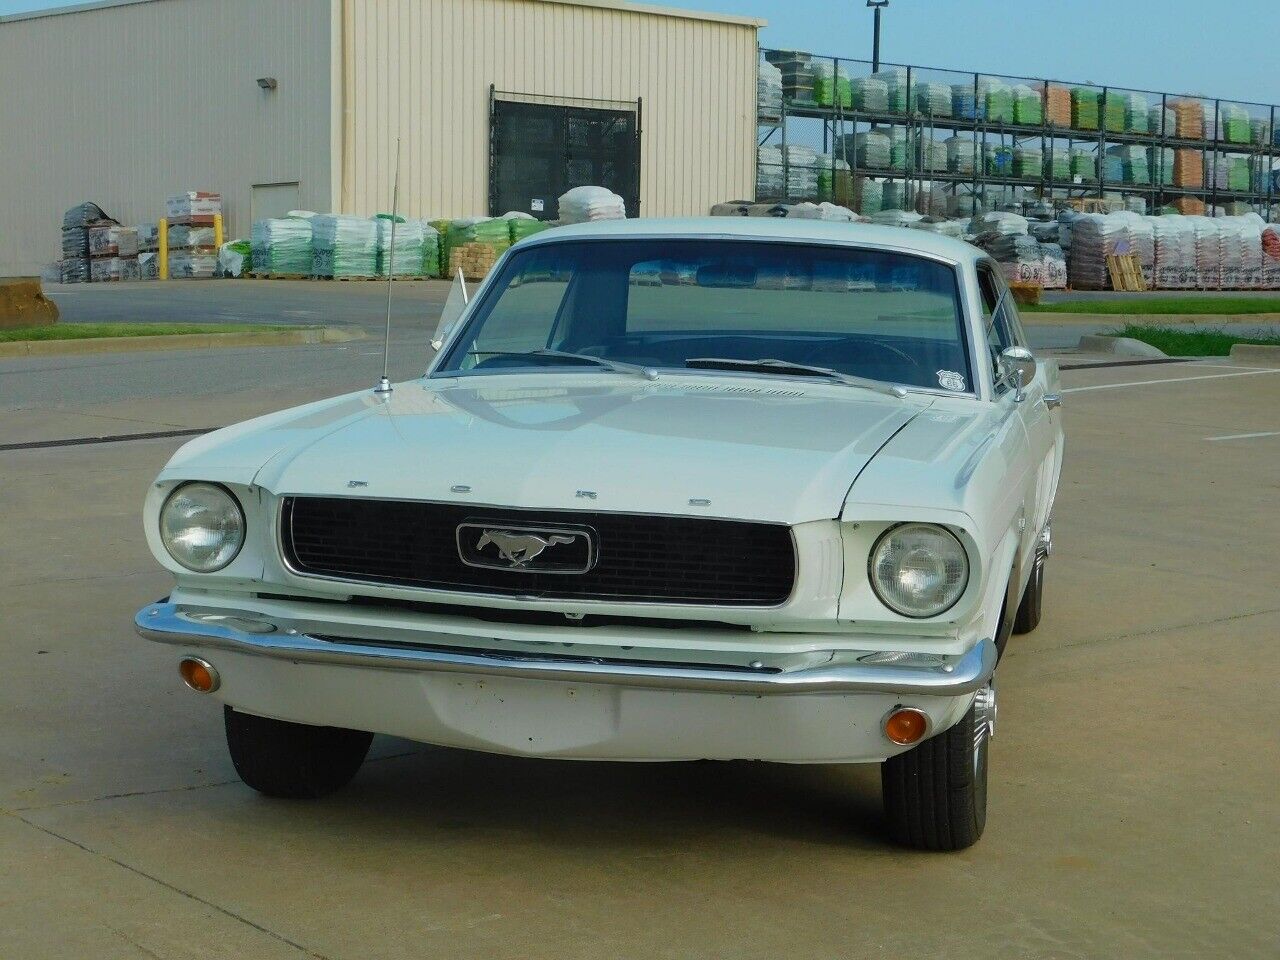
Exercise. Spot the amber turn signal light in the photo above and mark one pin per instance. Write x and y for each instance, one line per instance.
(198, 674)
(906, 725)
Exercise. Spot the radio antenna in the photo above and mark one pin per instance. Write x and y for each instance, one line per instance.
(384, 385)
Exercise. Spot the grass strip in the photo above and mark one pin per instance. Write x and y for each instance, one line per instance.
(95, 331)
(1155, 306)
(1183, 342)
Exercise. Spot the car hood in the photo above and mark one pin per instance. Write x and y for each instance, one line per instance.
(715, 445)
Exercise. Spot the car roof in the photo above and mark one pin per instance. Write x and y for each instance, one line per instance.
(765, 229)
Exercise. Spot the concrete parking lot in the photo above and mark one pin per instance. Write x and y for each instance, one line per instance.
(1133, 807)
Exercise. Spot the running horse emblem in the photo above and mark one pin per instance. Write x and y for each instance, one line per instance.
(519, 548)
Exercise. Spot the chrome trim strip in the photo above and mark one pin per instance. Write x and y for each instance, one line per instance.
(199, 628)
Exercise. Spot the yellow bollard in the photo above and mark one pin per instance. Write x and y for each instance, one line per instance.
(162, 255)
(217, 231)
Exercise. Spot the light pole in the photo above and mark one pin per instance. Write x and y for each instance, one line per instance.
(876, 5)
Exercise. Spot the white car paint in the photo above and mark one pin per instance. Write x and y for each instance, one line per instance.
(838, 464)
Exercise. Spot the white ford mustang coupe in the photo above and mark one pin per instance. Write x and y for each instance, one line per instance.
(714, 488)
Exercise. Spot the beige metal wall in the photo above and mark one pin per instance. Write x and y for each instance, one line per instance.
(422, 69)
(127, 104)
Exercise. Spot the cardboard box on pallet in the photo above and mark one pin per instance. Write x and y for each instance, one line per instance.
(186, 237)
(113, 240)
(192, 205)
(192, 265)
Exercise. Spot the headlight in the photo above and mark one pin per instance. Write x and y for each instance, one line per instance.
(202, 526)
(918, 569)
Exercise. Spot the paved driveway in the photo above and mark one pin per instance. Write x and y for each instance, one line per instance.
(1133, 808)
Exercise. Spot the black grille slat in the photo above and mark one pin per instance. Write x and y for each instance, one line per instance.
(642, 558)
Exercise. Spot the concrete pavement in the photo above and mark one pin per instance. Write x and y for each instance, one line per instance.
(1133, 809)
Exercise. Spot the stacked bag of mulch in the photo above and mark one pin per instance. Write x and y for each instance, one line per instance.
(1028, 163)
(1137, 112)
(1085, 108)
(283, 246)
(869, 196)
(1175, 252)
(76, 224)
(960, 153)
(870, 150)
(407, 259)
(1028, 105)
(835, 183)
(344, 246)
(1057, 109)
(1188, 169)
(769, 90)
(769, 171)
(998, 99)
(1189, 117)
(932, 154)
(801, 170)
(831, 87)
(1060, 164)
(899, 147)
(584, 204)
(521, 225)
(965, 103)
(870, 94)
(1162, 121)
(1233, 123)
(895, 81)
(1094, 237)
(1084, 164)
(933, 99)
(998, 160)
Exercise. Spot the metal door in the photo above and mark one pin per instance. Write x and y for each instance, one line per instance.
(541, 147)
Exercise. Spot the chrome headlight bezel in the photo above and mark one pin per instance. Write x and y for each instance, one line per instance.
(919, 613)
(232, 513)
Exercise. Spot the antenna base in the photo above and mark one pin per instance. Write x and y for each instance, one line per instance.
(383, 388)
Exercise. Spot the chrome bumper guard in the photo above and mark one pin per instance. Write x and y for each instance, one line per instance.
(247, 633)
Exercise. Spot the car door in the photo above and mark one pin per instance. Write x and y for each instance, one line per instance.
(1038, 409)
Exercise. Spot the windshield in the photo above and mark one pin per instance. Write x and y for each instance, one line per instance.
(659, 304)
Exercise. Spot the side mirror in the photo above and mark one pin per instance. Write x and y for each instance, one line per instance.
(1019, 365)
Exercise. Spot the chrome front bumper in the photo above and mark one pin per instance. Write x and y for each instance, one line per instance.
(297, 641)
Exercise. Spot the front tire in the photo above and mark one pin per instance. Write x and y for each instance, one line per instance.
(1029, 610)
(935, 794)
(295, 761)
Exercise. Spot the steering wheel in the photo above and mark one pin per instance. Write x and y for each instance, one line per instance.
(822, 355)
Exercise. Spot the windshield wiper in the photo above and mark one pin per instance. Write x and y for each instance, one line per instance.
(770, 365)
(617, 366)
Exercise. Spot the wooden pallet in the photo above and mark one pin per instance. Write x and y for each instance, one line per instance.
(1126, 273)
(278, 276)
(1092, 204)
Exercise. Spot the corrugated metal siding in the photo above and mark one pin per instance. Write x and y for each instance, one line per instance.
(127, 105)
(421, 69)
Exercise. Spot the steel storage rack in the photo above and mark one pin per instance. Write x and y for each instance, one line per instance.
(1005, 138)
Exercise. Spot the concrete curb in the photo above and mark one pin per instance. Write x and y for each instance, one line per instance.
(183, 341)
(1119, 346)
(1265, 354)
(1034, 318)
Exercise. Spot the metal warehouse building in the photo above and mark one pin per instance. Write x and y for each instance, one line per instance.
(284, 104)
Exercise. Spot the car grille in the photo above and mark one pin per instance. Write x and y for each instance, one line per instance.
(640, 558)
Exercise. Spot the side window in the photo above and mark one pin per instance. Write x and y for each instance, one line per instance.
(1003, 326)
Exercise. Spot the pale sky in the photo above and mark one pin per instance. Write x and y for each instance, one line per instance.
(1229, 49)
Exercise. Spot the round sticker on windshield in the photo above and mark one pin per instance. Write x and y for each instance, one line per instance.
(950, 380)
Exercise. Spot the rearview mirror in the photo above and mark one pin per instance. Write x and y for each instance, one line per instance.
(1017, 364)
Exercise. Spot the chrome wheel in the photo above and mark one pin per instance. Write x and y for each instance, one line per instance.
(984, 728)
